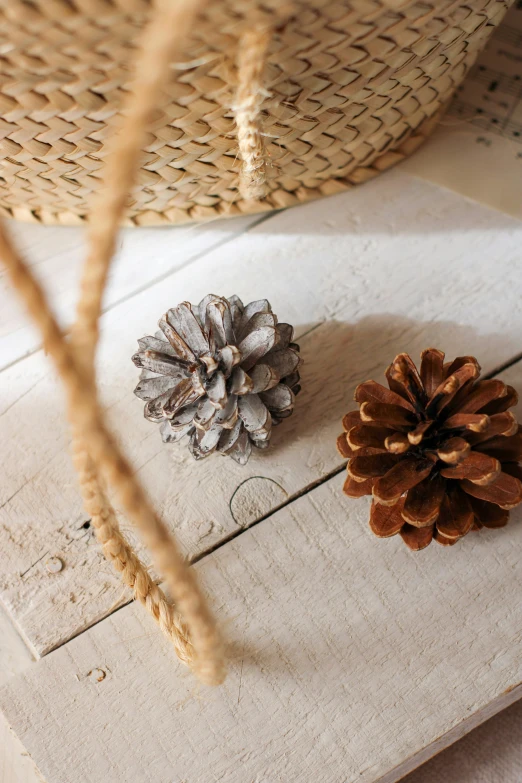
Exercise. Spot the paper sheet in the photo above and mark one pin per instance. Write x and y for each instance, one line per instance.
(477, 149)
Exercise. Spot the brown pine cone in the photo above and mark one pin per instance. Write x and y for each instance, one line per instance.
(439, 450)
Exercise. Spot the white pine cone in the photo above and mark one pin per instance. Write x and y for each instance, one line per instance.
(224, 374)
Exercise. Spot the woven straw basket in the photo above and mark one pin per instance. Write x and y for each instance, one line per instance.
(272, 103)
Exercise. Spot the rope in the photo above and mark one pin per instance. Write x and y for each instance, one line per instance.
(160, 45)
(118, 551)
(85, 411)
(93, 445)
(151, 72)
(249, 97)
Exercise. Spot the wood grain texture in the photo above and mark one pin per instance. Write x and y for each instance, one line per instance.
(14, 655)
(396, 265)
(492, 753)
(56, 254)
(353, 659)
(15, 764)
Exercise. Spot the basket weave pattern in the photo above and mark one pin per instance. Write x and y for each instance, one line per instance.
(350, 88)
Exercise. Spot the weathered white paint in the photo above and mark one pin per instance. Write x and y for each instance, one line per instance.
(396, 265)
(56, 255)
(353, 659)
(15, 764)
(492, 753)
(14, 655)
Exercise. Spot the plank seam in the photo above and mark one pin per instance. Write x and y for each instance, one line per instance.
(289, 500)
(161, 278)
(501, 367)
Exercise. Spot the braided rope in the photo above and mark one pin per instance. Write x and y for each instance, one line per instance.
(120, 553)
(249, 98)
(85, 411)
(160, 44)
(151, 72)
(93, 444)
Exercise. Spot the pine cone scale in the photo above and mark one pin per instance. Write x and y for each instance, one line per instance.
(440, 539)
(372, 466)
(488, 514)
(181, 349)
(405, 475)
(218, 322)
(370, 391)
(416, 435)
(386, 521)
(188, 328)
(282, 361)
(484, 393)
(342, 446)
(263, 378)
(454, 450)
(416, 538)
(161, 363)
(279, 399)
(502, 403)
(431, 370)
(503, 424)
(456, 516)
(477, 467)
(422, 504)
(439, 448)
(476, 422)
(393, 416)
(240, 382)
(513, 469)
(398, 443)
(255, 345)
(372, 435)
(506, 449)
(505, 491)
(445, 394)
(220, 373)
(150, 388)
(403, 378)
(356, 489)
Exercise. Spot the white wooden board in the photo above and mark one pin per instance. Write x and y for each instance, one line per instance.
(396, 265)
(15, 764)
(56, 255)
(354, 659)
(491, 753)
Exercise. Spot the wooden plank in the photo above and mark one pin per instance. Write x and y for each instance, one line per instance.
(396, 265)
(490, 754)
(14, 655)
(15, 764)
(353, 659)
(56, 254)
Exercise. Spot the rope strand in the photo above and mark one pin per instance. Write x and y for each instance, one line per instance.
(84, 410)
(249, 98)
(159, 46)
(124, 559)
(93, 445)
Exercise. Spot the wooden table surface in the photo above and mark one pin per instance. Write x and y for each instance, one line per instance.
(352, 658)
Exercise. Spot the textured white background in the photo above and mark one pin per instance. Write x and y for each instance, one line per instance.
(490, 754)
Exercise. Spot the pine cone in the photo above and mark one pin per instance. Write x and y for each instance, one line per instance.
(223, 376)
(438, 450)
